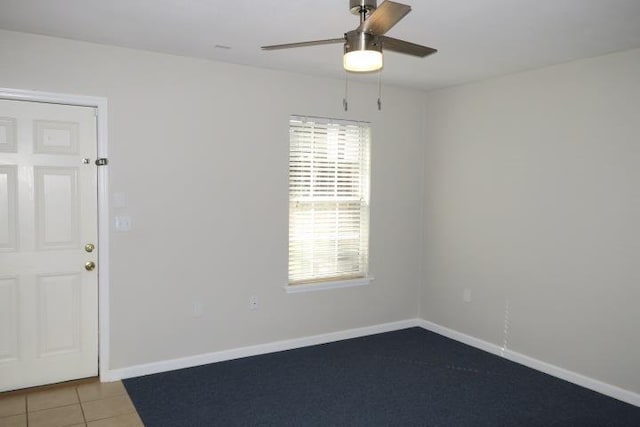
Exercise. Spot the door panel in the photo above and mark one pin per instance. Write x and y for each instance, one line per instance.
(56, 207)
(8, 208)
(55, 137)
(8, 319)
(48, 212)
(8, 135)
(58, 314)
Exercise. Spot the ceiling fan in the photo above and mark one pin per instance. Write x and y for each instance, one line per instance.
(363, 46)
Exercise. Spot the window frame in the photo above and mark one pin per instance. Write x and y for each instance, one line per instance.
(343, 131)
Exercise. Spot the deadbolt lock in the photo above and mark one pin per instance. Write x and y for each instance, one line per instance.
(89, 247)
(89, 265)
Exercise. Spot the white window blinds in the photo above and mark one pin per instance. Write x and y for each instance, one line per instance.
(328, 199)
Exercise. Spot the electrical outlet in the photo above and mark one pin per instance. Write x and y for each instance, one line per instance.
(253, 303)
(466, 295)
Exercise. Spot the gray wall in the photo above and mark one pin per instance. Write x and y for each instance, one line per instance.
(201, 149)
(532, 196)
(528, 193)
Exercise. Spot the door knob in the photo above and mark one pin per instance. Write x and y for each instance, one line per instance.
(89, 247)
(89, 265)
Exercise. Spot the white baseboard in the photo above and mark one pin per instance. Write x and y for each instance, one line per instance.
(564, 374)
(237, 353)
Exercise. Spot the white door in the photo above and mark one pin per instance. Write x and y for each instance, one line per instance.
(48, 213)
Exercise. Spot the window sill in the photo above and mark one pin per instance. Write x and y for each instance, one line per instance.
(321, 286)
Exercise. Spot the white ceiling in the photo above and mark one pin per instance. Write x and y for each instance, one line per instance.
(476, 39)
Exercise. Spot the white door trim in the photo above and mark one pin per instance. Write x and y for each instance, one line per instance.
(103, 204)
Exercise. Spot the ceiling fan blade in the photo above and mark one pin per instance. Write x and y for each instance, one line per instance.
(384, 17)
(401, 46)
(303, 44)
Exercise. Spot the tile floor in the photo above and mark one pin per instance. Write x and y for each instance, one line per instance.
(87, 403)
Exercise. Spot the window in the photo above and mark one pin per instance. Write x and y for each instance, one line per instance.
(328, 200)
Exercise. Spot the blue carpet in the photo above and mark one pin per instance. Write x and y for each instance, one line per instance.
(410, 377)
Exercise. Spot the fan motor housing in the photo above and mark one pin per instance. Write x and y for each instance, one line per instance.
(355, 40)
(356, 6)
(361, 41)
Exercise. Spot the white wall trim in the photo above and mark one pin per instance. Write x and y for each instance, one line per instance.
(564, 374)
(103, 202)
(323, 286)
(237, 353)
(220, 356)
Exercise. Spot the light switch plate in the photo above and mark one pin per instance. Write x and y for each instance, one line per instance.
(123, 223)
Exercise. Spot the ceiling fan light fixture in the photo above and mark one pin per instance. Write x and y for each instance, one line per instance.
(362, 61)
(363, 46)
(362, 53)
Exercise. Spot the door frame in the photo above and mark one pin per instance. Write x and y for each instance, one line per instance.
(100, 104)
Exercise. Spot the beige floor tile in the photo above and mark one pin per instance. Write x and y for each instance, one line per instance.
(127, 420)
(57, 417)
(51, 398)
(98, 390)
(12, 405)
(14, 421)
(106, 408)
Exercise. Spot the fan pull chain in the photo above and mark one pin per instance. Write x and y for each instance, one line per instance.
(345, 104)
(380, 90)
